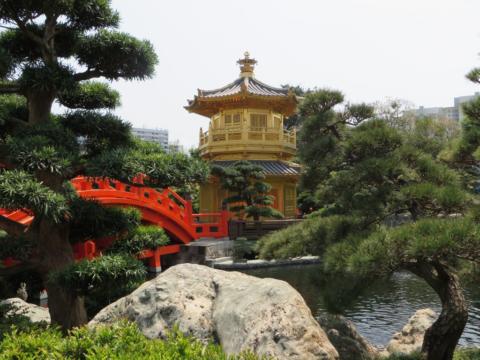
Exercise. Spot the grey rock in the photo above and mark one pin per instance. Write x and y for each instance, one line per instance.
(266, 316)
(34, 312)
(344, 336)
(410, 339)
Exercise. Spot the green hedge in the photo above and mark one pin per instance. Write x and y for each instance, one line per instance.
(121, 341)
(460, 354)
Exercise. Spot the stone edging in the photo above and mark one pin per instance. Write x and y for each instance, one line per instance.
(228, 264)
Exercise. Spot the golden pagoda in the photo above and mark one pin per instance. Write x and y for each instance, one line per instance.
(246, 123)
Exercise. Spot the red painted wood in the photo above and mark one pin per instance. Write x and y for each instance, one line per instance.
(164, 208)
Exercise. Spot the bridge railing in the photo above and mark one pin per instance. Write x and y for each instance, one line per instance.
(218, 228)
(214, 225)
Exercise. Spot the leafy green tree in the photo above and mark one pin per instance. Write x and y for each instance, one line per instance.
(385, 204)
(468, 149)
(248, 194)
(51, 51)
(319, 140)
(294, 121)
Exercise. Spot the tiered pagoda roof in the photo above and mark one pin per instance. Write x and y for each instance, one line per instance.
(251, 86)
(246, 91)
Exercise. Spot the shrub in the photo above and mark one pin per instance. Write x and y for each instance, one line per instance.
(242, 249)
(120, 341)
(467, 354)
(460, 354)
(141, 238)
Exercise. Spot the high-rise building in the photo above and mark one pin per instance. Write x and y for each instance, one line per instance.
(438, 112)
(159, 136)
(453, 113)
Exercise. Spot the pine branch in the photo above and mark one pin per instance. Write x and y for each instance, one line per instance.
(87, 75)
(23, 27)
(11, 227)
(10, 88)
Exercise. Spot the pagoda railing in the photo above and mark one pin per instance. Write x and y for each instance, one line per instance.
(232, 135)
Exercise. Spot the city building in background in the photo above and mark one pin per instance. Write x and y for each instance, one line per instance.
(454, 112)
(159, 136)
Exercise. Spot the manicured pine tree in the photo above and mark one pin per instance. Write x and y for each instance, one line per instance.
(248, 193)
(51, 51)
(385, 204)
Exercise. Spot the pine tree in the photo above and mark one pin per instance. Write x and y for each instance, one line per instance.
(248, 194)
(51, 51)
(386, 203)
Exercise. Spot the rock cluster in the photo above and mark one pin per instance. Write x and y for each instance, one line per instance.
(410, 339)
(241, 312)
(344, 336)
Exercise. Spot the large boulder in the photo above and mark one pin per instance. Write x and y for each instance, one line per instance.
(344, 336)
(241, 312)
(410, 339)
(34, 313)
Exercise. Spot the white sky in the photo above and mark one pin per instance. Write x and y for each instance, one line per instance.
(417, 50)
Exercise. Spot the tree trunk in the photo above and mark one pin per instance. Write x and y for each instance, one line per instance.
(66, 309)
(442, 337)
(40, 106)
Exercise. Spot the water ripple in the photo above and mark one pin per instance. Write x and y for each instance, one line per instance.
(385, 307)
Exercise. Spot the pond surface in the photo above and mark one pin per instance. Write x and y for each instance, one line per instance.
(384, 307)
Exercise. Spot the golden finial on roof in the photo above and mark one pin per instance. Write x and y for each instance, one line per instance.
(246, 65)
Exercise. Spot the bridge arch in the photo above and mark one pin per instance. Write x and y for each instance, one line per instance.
(161, 208)
(165, 209)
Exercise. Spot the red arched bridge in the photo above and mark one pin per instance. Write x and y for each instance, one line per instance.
(164, 208)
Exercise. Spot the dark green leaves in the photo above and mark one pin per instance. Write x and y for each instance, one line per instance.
(19, 247)
(22, 48)
(371, 139)
(249, 194)
(91, 220)
(13, 109)
(100, 132)
(390, 249)
(46, 79)
(320, 101)
(92, 14)
(90, 96)
(474, 75)
(82, 14)
(50, 148)
(87, 274)
(20, 190)
(141, 238)
(115, 55)
(161, 169)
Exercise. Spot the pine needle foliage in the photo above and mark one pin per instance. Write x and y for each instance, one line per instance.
(248, 193)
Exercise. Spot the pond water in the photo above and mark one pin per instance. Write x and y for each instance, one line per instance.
(384, 307)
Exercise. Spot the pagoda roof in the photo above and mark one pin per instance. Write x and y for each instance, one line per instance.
(246, 91)
(244, 84)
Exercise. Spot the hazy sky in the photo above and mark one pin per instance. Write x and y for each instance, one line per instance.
(417, 50)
